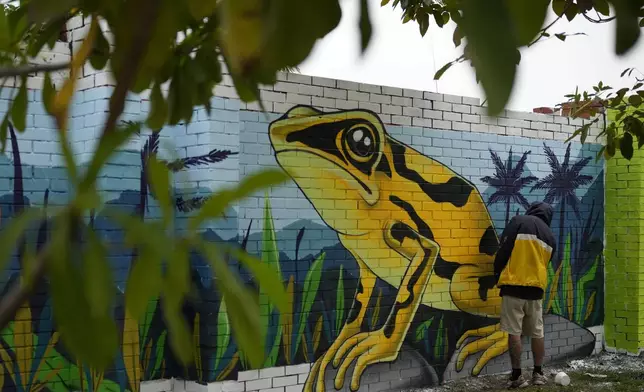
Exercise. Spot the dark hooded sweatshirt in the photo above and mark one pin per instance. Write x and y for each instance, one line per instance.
(527, 244)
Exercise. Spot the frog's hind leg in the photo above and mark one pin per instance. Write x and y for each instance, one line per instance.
(352, 326)
(383, 345)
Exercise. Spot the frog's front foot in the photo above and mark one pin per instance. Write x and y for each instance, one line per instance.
(492, 341)
(365, 348)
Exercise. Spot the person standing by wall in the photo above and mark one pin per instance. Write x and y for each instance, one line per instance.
(520, 267)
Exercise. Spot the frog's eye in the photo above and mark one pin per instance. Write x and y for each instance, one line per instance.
(360, 142)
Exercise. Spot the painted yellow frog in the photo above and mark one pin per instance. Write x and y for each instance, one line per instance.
(406, 218)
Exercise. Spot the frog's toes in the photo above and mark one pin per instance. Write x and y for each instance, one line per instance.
(492, 346)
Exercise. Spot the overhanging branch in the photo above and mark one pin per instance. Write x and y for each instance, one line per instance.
(20, 70)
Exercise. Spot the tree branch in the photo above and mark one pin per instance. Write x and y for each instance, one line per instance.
(29, 69)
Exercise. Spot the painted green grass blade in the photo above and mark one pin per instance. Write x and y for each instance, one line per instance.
(551, 279)
(311, 285)
(580, 291)
(421, 331)
(438, 348)
(160, 349)
(147, 320)
(271, 359)
(567, 281)
(223, 333)
(339, 301)
(270, 257)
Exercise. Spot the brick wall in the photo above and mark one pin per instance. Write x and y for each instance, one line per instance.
(511, 160)
(624, 265)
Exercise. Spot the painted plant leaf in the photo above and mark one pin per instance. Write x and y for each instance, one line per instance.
(311, 285)
(339, 302)
(421, 331)
(568, 292)
(580, 294)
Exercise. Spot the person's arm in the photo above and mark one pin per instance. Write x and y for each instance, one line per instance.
(505, 247)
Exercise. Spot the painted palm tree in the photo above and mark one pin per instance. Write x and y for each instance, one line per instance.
(508, 181)
(562, 183)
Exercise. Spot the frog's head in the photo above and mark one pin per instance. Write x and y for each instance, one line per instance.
(332, 157)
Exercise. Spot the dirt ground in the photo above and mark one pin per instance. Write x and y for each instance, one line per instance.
(605, 372)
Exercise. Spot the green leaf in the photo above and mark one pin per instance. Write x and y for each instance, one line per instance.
(602, 7)
(19, 108)
(635, 100)
(108, 145)
(48, 93)
(626, 146)
(158, 108)
(223, 333)
(159, 178)
(295, 26)
(561, 36)
(365, 25)
(43, 10)
(571, 11)
(144, 282)
(423, 22)
(243, 310)
(558, 6)
(13, 231)
(457, 37)
(202, 8)
(488, 27)
(217, 204)
(78, 325)
(443, 69)
(634, 125)
(626, 24)
(527, 18)
(268, 278)
(584, 133)
(101, 51)
(99, 284)
(176, 285)
(5, 30)
(600, 153)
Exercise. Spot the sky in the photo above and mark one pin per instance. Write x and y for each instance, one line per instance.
(398, 56)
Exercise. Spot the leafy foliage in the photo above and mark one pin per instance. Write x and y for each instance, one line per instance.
(495, 31)
(624, 127)
(136, 42)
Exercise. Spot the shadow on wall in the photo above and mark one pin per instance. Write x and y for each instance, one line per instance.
(365, 296)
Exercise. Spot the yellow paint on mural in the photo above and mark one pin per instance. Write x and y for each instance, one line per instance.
(406, 218)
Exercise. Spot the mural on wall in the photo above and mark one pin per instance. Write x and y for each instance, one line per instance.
(396, 272)
(393, 209)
